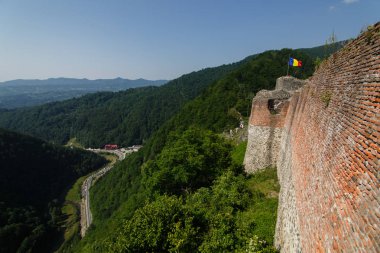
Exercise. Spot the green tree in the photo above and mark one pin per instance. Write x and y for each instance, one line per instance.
(160, 226)
(188, 161)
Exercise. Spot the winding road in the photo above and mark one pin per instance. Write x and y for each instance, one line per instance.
(85, 212)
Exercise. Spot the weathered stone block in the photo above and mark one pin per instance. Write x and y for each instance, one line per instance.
(289, 83)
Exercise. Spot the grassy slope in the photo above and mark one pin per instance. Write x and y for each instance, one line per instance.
(264, 188)
(71, 210)
(239, 152)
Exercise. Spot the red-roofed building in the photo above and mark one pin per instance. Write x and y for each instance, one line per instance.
(110, 146)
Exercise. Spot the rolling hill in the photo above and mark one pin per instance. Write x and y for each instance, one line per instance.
(131, 116)
(21, 93)
(125, 117)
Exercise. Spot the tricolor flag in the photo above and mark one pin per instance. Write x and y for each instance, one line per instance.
(294, 62)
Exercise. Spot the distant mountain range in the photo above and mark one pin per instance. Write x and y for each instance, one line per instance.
(21, 93)
(131, 116)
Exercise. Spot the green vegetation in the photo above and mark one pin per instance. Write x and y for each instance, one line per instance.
(220, 218)
(126, 117)
(265, 184)
(234, 91)
(326, 98)
(190, 198)
(131, 116)
(178, 162)
(188, 162)
(112, 158)
(74, 143)
(370, 33)
(322, 52)
(71, 212)
(184, 191)
(34, 178)
(239, 152)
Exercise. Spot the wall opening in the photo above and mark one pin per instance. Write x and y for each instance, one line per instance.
(273, 106)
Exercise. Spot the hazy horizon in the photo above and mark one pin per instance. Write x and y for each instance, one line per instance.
(84, 78)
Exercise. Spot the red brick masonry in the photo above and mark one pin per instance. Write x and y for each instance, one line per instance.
(263, 117)
(333, 133)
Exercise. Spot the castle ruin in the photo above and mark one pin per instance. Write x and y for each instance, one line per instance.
(323, 135)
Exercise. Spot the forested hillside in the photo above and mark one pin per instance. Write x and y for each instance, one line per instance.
(126, 117)
(34, 178)
(326, 50)
(182, 191)
(221, 106)
(131, 116)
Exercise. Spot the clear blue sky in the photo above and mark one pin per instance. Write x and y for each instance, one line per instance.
(162, 39)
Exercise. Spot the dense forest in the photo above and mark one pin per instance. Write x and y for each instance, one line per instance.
(34, 178)
(131, 116)
(322, 52)
(183, 192)
(221, 106)
(193, 197)
(125, 117)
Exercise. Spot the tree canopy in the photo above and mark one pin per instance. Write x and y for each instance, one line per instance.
(34, 178)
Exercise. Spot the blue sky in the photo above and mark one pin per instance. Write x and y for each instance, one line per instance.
(162, 39)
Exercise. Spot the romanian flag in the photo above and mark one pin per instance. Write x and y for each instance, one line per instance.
(294, 62)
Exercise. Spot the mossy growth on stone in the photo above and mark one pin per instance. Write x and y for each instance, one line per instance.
(326, 98)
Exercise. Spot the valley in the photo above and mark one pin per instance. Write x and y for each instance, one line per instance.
(201, 162)
(85, 211)
(277, 150)
(30, 209)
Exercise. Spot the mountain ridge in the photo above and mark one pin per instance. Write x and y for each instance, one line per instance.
(32, 92)
(125, 117)
(70, 79)
(185, 107)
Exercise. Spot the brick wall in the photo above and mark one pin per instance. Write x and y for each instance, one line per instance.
(261, 115)
(265, 129)
(329, 158)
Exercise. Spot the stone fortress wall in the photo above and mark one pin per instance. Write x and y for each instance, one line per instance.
(324, 138)
(266, 124)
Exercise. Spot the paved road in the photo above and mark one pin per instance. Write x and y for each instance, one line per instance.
(86, 216)
(120, 154)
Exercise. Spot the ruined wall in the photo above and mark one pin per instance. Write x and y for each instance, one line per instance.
(265, 129)
(289, 84)
(287, 236)
(329, 159)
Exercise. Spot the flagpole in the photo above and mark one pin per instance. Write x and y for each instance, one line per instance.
(287, 72)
